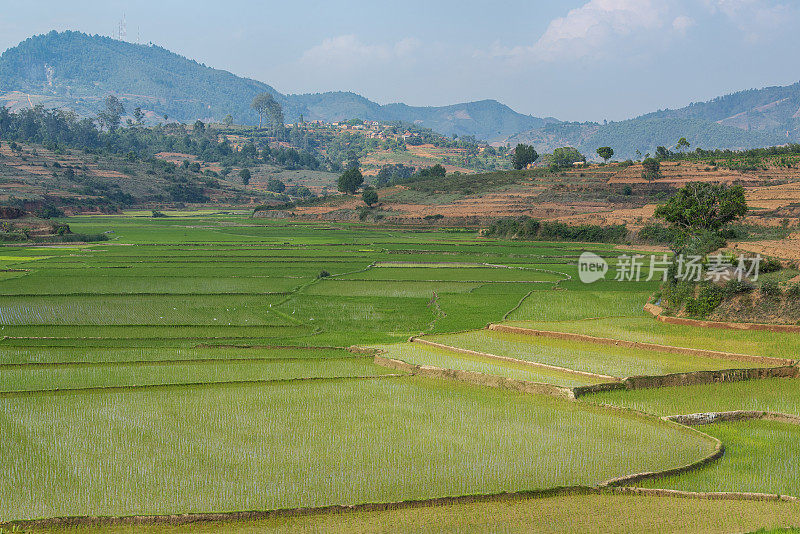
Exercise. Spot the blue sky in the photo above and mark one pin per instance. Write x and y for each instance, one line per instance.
(575, 59)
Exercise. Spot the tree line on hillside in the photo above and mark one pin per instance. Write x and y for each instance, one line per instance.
(57, 129)
(528, 228)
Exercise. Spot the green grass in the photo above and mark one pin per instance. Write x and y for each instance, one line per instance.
(610, 360)
(613, 514)
(173, 450)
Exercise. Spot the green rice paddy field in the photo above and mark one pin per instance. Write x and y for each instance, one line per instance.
(199, 363)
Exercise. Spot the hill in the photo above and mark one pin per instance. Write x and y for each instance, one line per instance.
(644, 134)
(77, 70)
(742, 120)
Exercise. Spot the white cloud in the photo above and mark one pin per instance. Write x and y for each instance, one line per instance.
(755, 18)
(606, 28)
(350, 51)
(682, 23)
(597, 28)
(594, 25)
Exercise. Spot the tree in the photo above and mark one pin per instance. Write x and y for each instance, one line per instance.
(275, 185)
(245, 175)
(651, 169)
(138, 115)
(566, 156)
(523, 156)
(352, 161)
(228, 120)
(350, 181)
(662, 153)
(268, 108)
(199, 126)
(437, 171)
(112, 113)
(261, 105)
(682, 143)
(704, 206)
(369, 196)
(605, 152)
(699, 212)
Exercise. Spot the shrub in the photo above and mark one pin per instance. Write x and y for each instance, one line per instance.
(11, 212)
(676, 294)
(276, 186)
(737, 287)
(770, 265)
(657, 234)
(60, 229)
(48, 212)
(651, 169)
(770, 289)
(708, 299)
(533, 229)
(794, 291)
(323, 274)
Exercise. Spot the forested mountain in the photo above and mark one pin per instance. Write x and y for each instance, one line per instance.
(644, 134)
(77, 70)
(772, 109)
(747, 119)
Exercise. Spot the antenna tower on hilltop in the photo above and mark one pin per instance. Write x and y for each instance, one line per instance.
(122, 29)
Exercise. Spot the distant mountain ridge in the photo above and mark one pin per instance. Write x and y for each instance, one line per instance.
(747, 119)
(78, 70)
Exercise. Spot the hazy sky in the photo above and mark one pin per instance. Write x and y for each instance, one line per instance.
(572, 59)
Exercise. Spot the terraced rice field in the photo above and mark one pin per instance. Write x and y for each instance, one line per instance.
(199, 363)
(419, 354)
(276, 446)
(618, 514)
(760, 455)
(645, 329)
(780, 395)
(614, 361)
